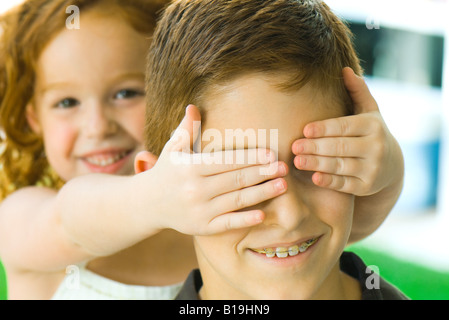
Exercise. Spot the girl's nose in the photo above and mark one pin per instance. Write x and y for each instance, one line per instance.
(100, 122)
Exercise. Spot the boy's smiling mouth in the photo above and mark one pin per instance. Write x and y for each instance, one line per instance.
(284, 252)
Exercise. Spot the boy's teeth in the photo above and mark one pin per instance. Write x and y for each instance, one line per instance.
(281, 252)
(270, 252)
(293, 250)
(284, 252)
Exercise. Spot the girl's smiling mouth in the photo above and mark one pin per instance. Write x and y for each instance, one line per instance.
(106, 161)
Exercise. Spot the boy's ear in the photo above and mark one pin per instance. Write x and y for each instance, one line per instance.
(144, 161)
(32, 118)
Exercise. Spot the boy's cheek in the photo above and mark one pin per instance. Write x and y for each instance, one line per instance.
(338, 209)
(219, 248)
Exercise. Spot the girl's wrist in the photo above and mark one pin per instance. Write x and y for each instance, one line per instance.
(145, 200)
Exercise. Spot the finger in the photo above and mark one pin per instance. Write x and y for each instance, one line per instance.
(361, 97)
(338, 183)
(331, 165)
(186, 133)
(243, 178)
(333, 147)
(230, 160)
(235, 220)
(248, 197)
(349, 126)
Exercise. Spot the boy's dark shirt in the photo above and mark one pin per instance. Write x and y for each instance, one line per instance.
(350, 263)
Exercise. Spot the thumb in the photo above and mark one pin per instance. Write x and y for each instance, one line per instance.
(187, 132)
(362, 99)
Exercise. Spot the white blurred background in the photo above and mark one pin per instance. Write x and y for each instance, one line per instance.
(403, 45)
(7, 4)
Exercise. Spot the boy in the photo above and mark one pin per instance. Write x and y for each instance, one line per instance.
(262, 66)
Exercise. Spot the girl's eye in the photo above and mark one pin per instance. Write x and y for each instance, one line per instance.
(128, 94)
(67, 103)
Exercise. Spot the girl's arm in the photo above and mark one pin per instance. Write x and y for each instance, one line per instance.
(45, 230)
(32, 236)
(98, 215)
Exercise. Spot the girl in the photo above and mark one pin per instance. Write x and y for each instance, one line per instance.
(72, 112)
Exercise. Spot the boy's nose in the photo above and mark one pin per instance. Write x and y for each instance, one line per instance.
(287, 211)
(99, 122)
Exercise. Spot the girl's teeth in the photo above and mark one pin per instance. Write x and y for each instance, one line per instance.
(106, 161)
(284, 252)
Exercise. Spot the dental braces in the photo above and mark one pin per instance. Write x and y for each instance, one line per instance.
(301, 248)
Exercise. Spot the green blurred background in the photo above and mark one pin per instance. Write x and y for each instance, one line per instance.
(3, 293)
(417, 281)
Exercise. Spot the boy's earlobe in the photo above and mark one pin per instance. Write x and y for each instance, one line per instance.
(144, 161)
(32, 119)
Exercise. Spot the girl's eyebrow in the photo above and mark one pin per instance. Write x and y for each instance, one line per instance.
(129, 75)
(53, 86)
(126, 76)
(120, 77)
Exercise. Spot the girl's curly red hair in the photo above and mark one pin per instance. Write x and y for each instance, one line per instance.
(24, 33)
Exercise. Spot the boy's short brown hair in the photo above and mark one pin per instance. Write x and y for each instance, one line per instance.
(202, 43)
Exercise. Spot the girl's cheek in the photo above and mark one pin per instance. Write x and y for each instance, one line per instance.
(59, 141)
(136, 124)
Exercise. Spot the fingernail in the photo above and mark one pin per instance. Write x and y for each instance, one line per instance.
(317, 178)
(259, 217)
(299, 148)
(281, 169)
(280, 185)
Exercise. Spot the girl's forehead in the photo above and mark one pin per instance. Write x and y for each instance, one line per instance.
(99, 50)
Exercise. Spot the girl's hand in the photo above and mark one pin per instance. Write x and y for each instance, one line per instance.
(198, 196)
(354, 154)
